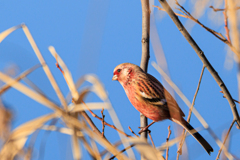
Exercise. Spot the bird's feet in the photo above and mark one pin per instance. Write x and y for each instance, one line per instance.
(143, 129)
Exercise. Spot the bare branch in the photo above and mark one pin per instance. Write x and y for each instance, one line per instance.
(213, 32)
(226, 22)
(150, 136)
(190, 113)
(145, 50)
(217, 9)
(203, 59)
(216, 34)
(233, 99)
(225, 139)
(105, 123)
(132, 131)
(167, 150)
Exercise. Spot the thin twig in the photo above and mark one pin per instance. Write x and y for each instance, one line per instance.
(218, 9)
(57, 65)
(132, 131)
(204, 60)
(118, 143)
(189, 114)
(105, 123)
(233, 99)
(189, 16)
(159, 8)
(195, 95)
(103, 126)
(85, 115)
(150, 136)
(20, 77)
(216, 34)
(213, 32)
(225, 139)
(167, 150)
(226, 22)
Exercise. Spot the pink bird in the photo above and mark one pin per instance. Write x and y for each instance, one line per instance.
(150, 98)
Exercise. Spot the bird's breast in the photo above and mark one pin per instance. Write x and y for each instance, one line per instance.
(152, 112)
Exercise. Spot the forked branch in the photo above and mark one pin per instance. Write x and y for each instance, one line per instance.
(203, 58)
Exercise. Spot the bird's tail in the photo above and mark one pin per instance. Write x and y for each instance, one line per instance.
(195, 134)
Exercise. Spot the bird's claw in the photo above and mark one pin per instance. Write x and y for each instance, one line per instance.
(143, 129)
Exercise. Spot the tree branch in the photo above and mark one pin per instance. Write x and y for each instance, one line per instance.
(204, 60)
(145, 51)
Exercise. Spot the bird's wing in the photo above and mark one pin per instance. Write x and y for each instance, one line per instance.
(150, 91)
(153, 92)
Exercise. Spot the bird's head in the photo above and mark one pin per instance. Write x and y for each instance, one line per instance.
(123, 72)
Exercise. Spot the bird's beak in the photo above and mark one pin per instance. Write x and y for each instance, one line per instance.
(115, 77)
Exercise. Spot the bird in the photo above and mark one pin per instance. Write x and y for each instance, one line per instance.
(150, 98)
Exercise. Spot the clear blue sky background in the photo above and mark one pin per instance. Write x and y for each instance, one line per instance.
(94, 37)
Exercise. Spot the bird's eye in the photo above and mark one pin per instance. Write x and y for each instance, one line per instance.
(118, 70)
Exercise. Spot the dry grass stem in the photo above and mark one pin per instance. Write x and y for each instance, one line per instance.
(19, 136)
(146, 150)
(45, 67)
(132, 145)
(98, 137)
(95, 149)
(170, 143)
(91, 105)
(199, 117)
(116, 144)
(76, 150)
(5, 121)
(5, 33)
(66, 73)
(29, 92)
(33, 86)
(98, 89)
(20, 77)
(61, 130)
(91, 150)
(84, 133)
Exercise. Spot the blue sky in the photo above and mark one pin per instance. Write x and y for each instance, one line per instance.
(94, 37)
